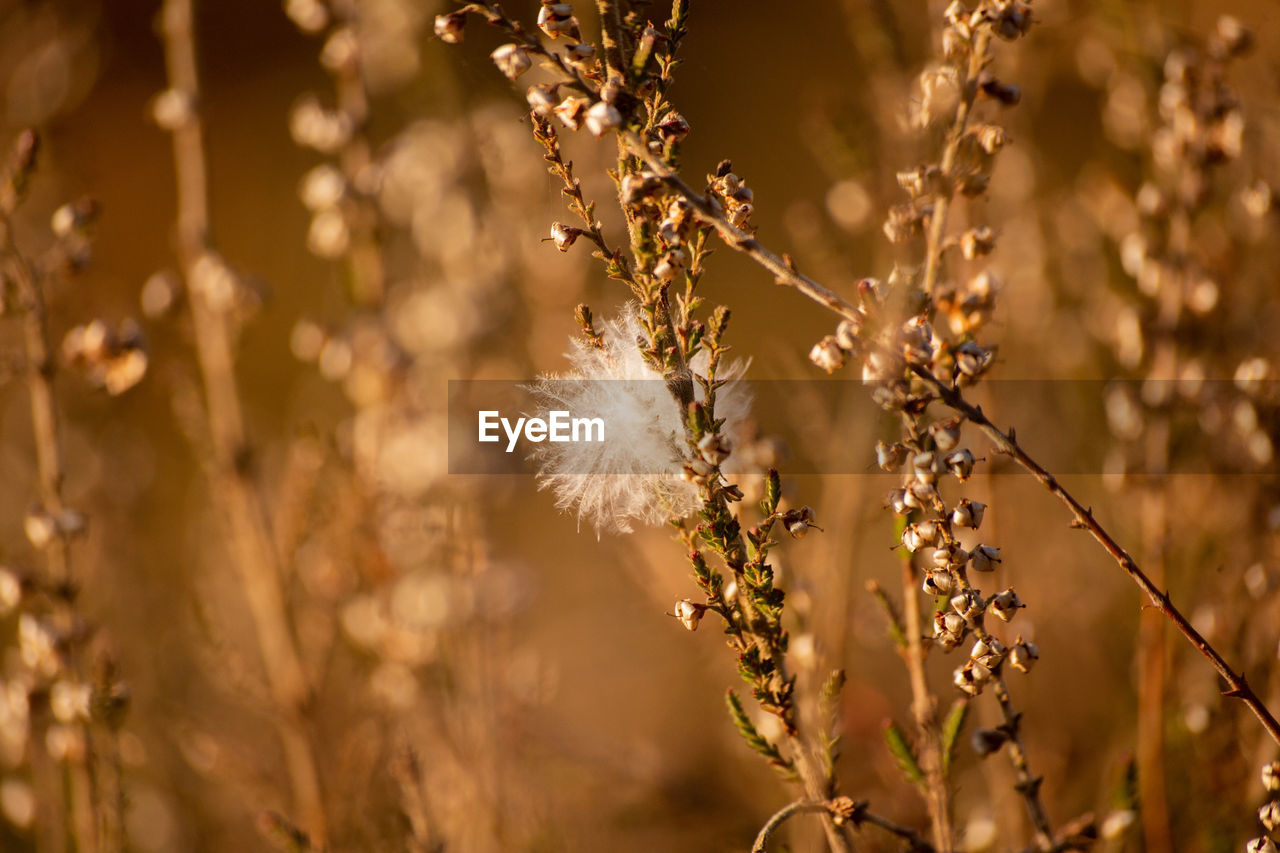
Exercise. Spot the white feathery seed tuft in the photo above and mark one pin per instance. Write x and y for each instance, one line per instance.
(634, 474)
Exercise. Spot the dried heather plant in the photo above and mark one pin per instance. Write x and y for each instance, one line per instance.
(908, 357)
(61, 709)
(637, 474)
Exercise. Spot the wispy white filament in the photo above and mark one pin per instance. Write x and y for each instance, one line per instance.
(634, 475)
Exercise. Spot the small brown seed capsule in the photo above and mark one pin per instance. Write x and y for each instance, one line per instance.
(512, 60)
(448, 28)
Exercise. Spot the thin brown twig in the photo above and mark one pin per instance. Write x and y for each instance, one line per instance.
(253, 546)
(924, 708)
(1028, 784)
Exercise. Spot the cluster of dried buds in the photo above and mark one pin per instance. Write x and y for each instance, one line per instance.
(902, 360)
(1201, 126)
(112, 358)
(731, 193)
(40, 667)
(599, 115)
(927, 454)
(1268, 815)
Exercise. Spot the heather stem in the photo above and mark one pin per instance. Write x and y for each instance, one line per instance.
(254, 554)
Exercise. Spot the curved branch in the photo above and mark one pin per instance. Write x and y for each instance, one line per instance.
(780, 817)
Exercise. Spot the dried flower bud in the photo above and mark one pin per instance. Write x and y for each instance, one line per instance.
(917, 340)
(972, 677)
(904, 222)
(572, 112)
(72, 217)
(10, 590)
(977, 242)
(1009, 20)
(341, 51)
(1006, 94)
(896, 501)
(697, 472)
(972, 360)
(601, 118)
(307, 340)
(512, 60)
(950, 556)
(827, 354)
(1271, 776)
(69, 701)
(991, 138)
(946, 433)
(919, 535)
(949, 629)
(919, 181)
(847, 335)
(973, 184)
(310, 16)
(543, 98)
(448, 28)
(1261, 844)
(639, 187)
(1257, 199)
(580, 52)
(670, 264)
(968, 513)
(172, 109)
(329, 235)
(890, 456)
(322, 187)
(689, 614)
(987, 741)
(1005, 604)
(938, 582)
(1270, 815)
(968, 603)
(313, 126)
(798, 521)
(921, 495)
(1231, 38)
(564, 236)
(556, 19)
(960, 463)
(1023, 655)
(41, 528)
(984, 558)
(1251, 374)
(713, 448)
(955, 43)
(989, 652)
(673, 127)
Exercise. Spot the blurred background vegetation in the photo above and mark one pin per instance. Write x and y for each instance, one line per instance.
(458, 630)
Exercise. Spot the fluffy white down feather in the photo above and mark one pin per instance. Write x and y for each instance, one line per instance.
(634, 475)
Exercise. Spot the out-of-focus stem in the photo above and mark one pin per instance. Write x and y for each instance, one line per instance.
(364, 259)
(70, 817)
(924, 708)
(253, 551)
(942, 199)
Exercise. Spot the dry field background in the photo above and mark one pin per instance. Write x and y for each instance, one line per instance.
(475, 671)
